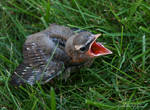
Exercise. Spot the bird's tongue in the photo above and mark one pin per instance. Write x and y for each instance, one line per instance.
(98, 49)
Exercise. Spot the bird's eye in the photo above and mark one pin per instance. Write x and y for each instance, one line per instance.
(82, 48)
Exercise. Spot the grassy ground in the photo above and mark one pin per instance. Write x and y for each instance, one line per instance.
(120, 81)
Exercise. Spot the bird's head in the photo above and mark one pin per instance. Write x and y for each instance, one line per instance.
(83, 46)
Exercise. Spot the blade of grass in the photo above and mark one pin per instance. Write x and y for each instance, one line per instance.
(140, 55)
(34, 104)
(22, 10)
(143, 51)
(121, 40)
(53, 99)
(10, 93)
(144, 29)
(82, 14)
(100, 105)
(121, 71)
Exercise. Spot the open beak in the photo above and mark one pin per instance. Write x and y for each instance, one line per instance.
(96, 48)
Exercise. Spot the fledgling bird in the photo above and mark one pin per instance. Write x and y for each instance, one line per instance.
(54, 51)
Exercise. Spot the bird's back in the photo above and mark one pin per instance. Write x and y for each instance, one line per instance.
(44, 56)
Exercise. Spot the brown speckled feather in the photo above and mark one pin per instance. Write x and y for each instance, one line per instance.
(36, 67)
(38, 49)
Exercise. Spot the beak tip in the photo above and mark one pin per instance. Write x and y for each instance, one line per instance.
(98, 35)
(110, 52)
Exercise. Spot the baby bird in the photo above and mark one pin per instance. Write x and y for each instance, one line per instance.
(54, 51)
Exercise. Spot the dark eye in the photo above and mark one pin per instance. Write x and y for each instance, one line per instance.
(82, 48)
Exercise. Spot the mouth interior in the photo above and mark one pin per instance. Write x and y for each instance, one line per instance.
(97, 49)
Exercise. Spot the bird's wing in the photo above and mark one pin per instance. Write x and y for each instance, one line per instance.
(35, 67)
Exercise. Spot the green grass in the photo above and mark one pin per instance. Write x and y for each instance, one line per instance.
(120, 81)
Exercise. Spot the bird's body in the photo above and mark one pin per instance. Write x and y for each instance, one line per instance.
(49, 53)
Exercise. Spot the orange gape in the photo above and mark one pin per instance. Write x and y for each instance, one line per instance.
(96, 48)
